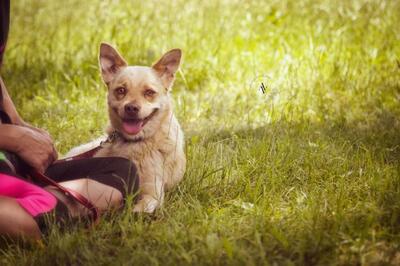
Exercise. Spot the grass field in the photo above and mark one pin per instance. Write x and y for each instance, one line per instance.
(307, 173)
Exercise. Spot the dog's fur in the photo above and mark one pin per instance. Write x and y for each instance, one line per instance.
(140, 111)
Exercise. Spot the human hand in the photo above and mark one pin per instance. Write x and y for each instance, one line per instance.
(25, 124)
(36, 148)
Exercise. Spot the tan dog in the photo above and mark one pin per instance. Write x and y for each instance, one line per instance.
(142, 124)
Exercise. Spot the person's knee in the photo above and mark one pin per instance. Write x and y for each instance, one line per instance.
(104, 197)
(116, 198)
(108, 197)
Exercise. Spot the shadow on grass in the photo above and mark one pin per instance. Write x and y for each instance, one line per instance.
(382, 135)
(377, 140)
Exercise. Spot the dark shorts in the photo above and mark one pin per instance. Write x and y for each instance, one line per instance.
(117, 172)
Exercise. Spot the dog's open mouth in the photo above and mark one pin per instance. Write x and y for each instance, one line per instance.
(133, 126)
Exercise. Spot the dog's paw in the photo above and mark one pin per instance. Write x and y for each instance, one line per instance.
(146, 204)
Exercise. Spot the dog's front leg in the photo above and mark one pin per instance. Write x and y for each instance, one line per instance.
(151, 185)
(151, 197)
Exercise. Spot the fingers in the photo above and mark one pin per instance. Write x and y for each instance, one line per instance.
(52, 153)
(55, 154)
(39, 130)
(40, 170)
(39, 150)
(44, 132)
(38, 165)
(49, 161)
(43, 161)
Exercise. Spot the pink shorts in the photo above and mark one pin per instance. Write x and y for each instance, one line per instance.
(35, 200)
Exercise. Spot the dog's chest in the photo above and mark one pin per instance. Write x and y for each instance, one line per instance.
(143, 154)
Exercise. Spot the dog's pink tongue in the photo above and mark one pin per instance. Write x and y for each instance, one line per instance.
(132, 127)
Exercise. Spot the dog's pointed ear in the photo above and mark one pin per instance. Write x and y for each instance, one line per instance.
(167, 66)
(110, 61)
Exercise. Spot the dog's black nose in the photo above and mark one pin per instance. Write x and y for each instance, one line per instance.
(132, 109)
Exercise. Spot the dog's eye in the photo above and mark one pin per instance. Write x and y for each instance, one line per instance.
(120, 90)
(149, 93)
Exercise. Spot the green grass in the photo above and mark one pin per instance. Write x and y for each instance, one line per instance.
(307, 173)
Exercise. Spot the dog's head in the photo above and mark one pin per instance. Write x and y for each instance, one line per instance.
(138, 96)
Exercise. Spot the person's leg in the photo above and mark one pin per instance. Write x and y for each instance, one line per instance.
(15, 221)
(104, 181)
(102, 196)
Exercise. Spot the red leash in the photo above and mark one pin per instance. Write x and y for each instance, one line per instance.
(68, 192)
